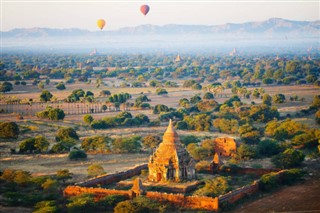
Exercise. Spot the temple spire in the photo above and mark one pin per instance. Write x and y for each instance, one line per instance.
(170, 128)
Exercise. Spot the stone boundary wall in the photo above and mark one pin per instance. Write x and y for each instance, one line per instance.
(70, 191)
(193, 202)
(254, 171)
(237, 194)
(112, 178)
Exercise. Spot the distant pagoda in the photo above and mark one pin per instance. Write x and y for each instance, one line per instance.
(178, 58)
(171, 161)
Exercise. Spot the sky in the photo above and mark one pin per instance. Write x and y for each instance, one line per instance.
(83, 14)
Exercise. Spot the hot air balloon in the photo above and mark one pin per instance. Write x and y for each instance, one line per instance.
(101, 23)
(144, 9)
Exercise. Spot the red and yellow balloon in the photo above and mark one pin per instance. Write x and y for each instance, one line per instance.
(144, 9)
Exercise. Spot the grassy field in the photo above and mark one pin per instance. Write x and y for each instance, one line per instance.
(48, 164)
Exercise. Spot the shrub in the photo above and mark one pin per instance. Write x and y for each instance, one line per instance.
(288, 159)
(202, 166)
(88, 119)
(9, 130)
(66, 133)
(213, 187)
(268, 181)
(95, 170)
(77, 154)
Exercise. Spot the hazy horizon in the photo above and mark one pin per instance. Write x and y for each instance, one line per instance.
(83, 15)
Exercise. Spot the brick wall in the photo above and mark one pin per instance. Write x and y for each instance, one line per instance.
(193, 202)
(239, 193)
(254, 171)
(113, 178)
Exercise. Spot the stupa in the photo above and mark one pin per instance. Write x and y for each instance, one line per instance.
(171, 161)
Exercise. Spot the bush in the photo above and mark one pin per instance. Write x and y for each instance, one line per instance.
(202, 166)
(66, 133)
(213, 187)
(77, 154)
(95, 170)
(268, 181)
(88, 119)
(288, 159)
(9, 130)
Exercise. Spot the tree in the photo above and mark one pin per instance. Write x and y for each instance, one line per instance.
(61, 86)
(45, 96)
(151, 141)
(97, 143)
(160, 108)
(213, 187)
(249, 134)
(226, 125)
(64, 175)
(37, 144)
(66, 133)
(279, 98)
(288, 159)
(105, 93)
(245, 152)
(208, 95)
(81, 202)
(95, 170)
(56, 114)
(127, 145)
(9, 130)
(267, 99)
(6, 87)
(88, 119)
(268, 147)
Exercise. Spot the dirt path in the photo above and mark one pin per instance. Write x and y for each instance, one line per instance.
(302, 197)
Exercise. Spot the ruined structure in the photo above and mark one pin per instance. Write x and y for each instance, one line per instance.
(215, 163)
(171, 161)
(225, 146)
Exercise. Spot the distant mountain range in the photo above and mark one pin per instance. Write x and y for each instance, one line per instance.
(273, 28)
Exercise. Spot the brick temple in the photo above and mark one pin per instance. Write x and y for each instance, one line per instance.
(171, 161)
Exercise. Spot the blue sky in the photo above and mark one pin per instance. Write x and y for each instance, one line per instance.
(84, 13)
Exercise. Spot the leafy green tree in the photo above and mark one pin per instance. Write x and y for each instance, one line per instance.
(151, 141)
(6, 87)
(41, 85)
(279, 98)
(160, 108)
(66, 133)
(267, 99)
(288, 159)
(37, 144)
(208, 96)
(56, 114)
(88, 119)
(142, 118)
(97, 143)
(64, 175)
(45, 96)
(196, 86)
(95, 170)
(213, 187)
(195, 99)
(9, 130)
(81, 202)
(200, 122)
(226, 125)
(268, 148)
(187, 139)
(128, 145)
(249, 134)
(245, 152)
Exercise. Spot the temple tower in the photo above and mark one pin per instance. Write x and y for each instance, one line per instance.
(171, 161)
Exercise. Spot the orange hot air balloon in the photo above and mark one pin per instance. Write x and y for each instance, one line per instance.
(101, 23)
(144, 9)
